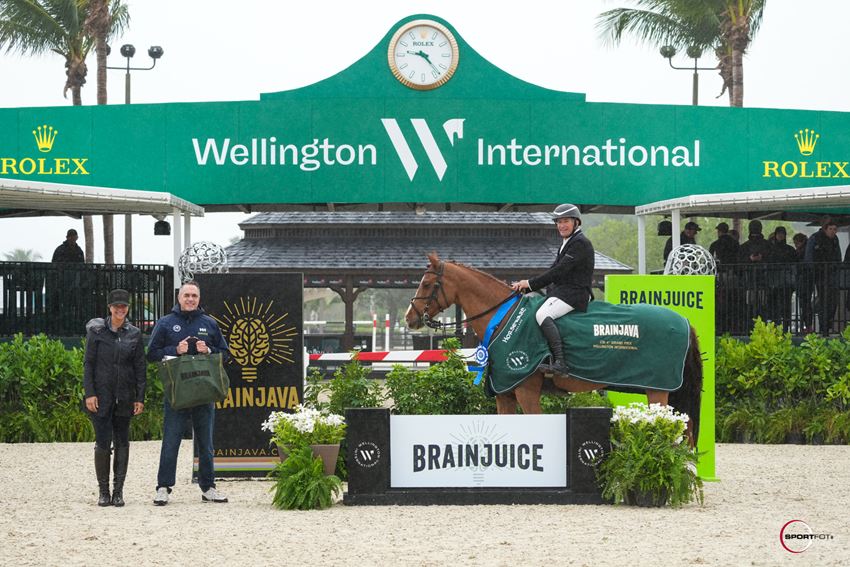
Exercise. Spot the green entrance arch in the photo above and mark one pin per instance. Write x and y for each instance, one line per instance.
(483, 137)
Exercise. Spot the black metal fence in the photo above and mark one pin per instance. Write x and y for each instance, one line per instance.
(58, 299)
(800, 297)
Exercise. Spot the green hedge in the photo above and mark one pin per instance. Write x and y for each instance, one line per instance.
(772, 391)
(41, 389)
(768, 390)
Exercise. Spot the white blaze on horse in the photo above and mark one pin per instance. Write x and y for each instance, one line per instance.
(480, 294)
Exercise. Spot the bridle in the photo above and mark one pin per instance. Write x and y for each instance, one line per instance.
(438, 288)
(435, 292)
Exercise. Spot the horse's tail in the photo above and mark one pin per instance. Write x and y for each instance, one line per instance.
(688, 398)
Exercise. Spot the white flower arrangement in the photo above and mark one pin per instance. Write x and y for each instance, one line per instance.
(306, 426)
(637, 412)
(649, 456)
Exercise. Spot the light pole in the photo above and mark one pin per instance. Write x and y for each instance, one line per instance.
(694, 52)
(128, 51)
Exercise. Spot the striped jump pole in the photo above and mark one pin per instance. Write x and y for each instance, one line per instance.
(436, 355)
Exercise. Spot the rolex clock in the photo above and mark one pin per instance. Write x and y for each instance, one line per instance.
(423, 54)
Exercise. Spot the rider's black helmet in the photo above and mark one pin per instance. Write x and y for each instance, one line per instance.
(566, 211)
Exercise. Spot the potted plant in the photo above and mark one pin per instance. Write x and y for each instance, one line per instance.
(307, 427)
(301, 483)
(788, 424)
(650, 463)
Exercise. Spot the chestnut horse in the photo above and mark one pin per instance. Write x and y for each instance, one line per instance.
(479, 294)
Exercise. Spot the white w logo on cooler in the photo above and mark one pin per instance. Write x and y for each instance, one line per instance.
(452, 127)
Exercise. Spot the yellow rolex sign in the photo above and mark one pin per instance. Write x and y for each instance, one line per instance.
(693, 298)
(45, 136)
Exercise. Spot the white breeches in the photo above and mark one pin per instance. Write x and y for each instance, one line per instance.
(554, 308)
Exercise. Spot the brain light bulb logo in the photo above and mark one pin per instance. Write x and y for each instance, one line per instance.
(256, 334)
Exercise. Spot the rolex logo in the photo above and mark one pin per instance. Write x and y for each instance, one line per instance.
(806, 141)
(44, 137)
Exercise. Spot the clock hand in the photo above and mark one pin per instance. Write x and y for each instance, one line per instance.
(424, 56)
(428, 59)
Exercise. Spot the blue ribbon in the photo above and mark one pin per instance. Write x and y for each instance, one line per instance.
(482, 355)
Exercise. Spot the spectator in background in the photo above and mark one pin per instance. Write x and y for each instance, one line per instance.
(725, 252)
(822, 254)
(804, 284)
(755, 252)
(63, 283)
(688, 236)
(69, 251)
(756, 249)
(781, 280)
(725, 248)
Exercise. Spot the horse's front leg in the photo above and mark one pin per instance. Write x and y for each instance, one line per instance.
(506, 404)
(528, 394)
(657, 397)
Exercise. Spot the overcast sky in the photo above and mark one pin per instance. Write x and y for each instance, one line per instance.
(217, 50)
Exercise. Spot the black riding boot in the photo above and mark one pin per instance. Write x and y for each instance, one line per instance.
(122, 455)
(101, 469)
(553, 337)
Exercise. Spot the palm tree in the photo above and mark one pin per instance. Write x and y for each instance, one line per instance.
(35, 27)
(739, 22)
(98, 26)
(724, 26)
(21, 255)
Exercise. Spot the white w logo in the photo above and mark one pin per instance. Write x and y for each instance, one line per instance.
(452, 127)
(367, 455)
(590, 454)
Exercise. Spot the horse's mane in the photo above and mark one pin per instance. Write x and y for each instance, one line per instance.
(477, 271)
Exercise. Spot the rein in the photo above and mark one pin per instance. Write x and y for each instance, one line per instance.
(438, 288)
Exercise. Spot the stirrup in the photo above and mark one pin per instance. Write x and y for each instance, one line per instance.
(557, 368)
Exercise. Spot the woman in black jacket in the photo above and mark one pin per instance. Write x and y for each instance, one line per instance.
(114, 381)
(569, 280)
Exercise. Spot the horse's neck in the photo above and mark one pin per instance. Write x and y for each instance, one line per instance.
(476, 293)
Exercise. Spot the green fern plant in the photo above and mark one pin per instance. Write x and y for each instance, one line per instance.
(301, 483)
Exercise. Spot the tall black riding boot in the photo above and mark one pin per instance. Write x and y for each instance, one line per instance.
(122, 455)
(101, 469)
(553, 337)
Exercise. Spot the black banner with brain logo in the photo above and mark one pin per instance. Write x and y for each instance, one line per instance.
(261, 318)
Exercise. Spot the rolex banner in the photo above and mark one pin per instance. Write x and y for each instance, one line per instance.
(692, 297)
(261, 319)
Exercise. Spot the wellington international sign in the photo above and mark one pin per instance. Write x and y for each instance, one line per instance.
(376, 133)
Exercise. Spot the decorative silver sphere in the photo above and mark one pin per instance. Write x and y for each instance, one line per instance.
(690, 260)
(202, 258)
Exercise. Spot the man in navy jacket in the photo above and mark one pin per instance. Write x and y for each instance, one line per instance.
(187, 330)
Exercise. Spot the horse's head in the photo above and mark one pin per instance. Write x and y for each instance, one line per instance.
(433, 295)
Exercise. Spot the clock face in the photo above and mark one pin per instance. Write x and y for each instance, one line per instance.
(423, 54)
